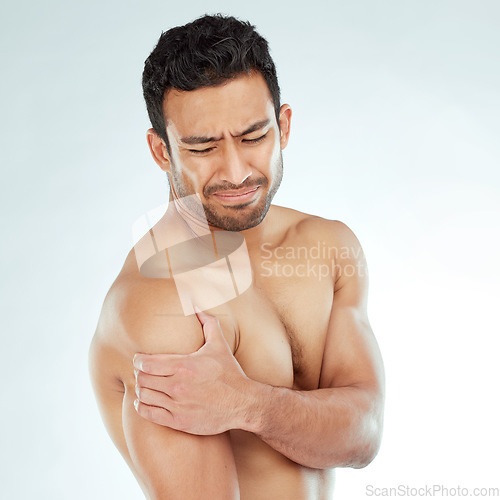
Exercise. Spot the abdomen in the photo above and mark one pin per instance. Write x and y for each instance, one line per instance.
(265, 474)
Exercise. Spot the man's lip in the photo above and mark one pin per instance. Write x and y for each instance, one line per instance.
(236, 194)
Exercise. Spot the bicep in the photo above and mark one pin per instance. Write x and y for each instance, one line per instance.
(351, 355)
(176, 465)
(169, 464)
(108, 391)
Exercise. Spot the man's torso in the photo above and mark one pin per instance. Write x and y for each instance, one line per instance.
(277, 330)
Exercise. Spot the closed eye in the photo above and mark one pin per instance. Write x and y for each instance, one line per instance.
(207, 150)
(255, 141)
(201, 151)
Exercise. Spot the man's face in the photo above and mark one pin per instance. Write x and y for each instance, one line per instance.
(226, 147)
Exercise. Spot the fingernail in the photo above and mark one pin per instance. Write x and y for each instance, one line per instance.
(136, 372)
(137, 363)
(136, 403)
(137, 390)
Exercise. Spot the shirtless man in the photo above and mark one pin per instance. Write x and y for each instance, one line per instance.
(262, 395)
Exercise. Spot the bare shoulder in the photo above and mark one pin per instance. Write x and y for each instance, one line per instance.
(332, 240)
(315, 228)
(332, 231)
(139, 315)
(145, 313)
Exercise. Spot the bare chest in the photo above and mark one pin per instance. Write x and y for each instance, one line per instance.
(283, 326)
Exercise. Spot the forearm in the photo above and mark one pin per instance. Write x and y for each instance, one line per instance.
(334, 427)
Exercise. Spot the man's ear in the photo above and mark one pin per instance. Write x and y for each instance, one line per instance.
(158, 150)
(285, 119)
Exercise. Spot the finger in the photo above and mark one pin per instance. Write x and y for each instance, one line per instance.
(202, 316)
(155, 398)
(158, 364)
(155, 414)
(154, 382)
(211, 327)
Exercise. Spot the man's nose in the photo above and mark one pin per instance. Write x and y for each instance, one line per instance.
(234, 168)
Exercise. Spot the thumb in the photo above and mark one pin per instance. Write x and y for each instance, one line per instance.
(210, 325)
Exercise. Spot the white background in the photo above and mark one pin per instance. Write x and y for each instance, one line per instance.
(395, 132)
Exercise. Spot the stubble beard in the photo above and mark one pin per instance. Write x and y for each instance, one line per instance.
(235, 217)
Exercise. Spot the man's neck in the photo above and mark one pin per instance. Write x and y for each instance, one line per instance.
(198, 224)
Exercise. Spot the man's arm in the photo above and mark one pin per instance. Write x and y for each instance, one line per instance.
(169, 464)
(340, 424)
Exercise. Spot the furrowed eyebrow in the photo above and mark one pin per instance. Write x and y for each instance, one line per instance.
(254, 127)
(198, 139)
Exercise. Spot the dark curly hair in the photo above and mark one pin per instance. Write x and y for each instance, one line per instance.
(204, 53)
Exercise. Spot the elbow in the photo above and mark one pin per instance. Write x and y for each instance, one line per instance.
(359, 444)
(358, 455)
(370, 435)
(366, 456)
(368, 447)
